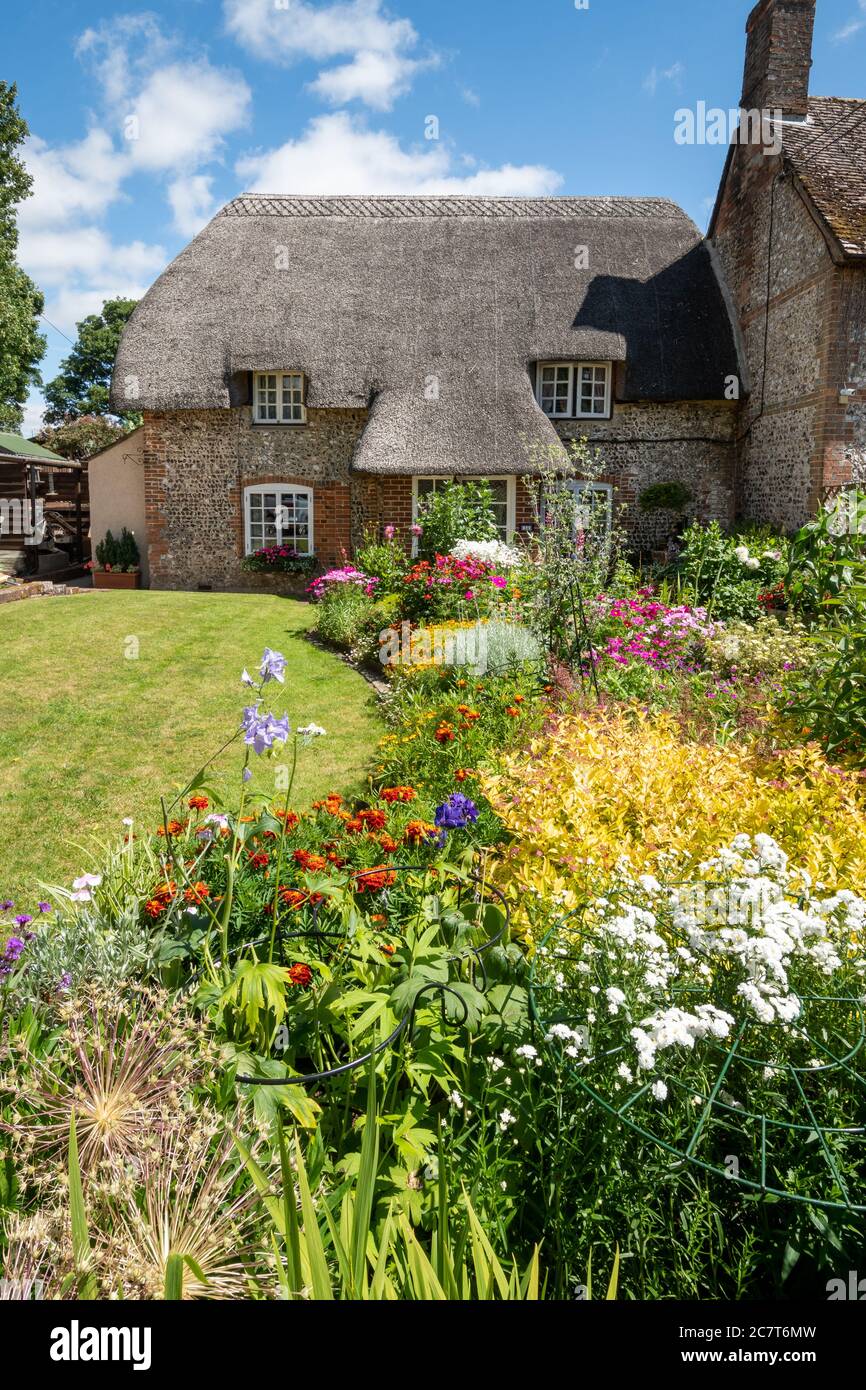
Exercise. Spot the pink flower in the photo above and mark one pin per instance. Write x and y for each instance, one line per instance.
(417, 531)
(390, 532)
(499, 581)
(469, 596)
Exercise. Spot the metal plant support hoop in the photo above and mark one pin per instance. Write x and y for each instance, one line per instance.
(711, 1107)
(406, 1024)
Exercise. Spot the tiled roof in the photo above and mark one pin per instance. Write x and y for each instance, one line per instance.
(290, 205)
(828, 153)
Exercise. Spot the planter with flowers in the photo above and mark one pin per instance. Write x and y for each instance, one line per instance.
(118, 563)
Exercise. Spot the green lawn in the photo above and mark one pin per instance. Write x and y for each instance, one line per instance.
(90, 733)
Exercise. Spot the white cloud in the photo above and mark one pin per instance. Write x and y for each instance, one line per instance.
(34, 408)
(181, 114)
(192, 202)
(657, 75)
(379, 48)
(170, 109)
(853, 26)
(71, 181)
(374, 78)
(79, 267)
(337, 154)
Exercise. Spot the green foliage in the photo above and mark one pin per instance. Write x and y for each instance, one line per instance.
(81, 437)
(82, 384)
(664, 497)
(349, 617)
(386, 559)
(455, 512)
(767, 649)
(827, 583)
(22, 346)
(727, 574)
(118, 552)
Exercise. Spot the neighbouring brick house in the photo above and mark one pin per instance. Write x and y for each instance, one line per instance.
(790, 232)
(308, 368)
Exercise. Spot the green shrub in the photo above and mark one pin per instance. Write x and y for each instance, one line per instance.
(664, 497)
(118, 552)
(728, 574)
(456, 512)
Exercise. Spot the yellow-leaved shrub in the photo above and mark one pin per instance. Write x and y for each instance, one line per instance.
(626, 785)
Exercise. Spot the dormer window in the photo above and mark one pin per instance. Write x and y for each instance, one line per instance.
(278, 398)
(574, 390)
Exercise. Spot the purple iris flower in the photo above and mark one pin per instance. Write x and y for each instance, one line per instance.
(456, 813)
(262, 731)
(273, 667)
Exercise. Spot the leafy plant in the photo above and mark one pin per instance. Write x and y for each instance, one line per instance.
(455, 512)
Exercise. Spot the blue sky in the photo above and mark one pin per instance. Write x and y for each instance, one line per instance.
(145, 120)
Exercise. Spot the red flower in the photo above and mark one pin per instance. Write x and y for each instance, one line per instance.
(291, 820)
(388, 844)
(314, 862)
(259, 861)
(374, 880)
(292, 898)
(392, 794)
(198, 803)
(374, 820)
(197, 893)
(445, 734)
(300, 975)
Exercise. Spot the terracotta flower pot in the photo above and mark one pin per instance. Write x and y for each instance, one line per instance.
(116, 579)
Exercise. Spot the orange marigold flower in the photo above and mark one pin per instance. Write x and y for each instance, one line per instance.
(444, 734)
(174, 827)
(292, 898)
(300, 975)
(374, 880)
(198, 803)
(462, 773)
(313, 862)
(388, 844)
(336, 860)
(513, 712)
(519, 699)
(155, 907)
(197, 893)
(374, 820)
(354, 825)
(387, 950)
(378, 917)
(259, 861)
(290, 817)
(418, 831)
(392, 794)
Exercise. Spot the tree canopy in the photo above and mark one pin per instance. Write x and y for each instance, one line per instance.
(22, 346)
(82, 384)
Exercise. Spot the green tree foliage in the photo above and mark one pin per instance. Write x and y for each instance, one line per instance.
(81, 438)
(82, 384)
(22, 346)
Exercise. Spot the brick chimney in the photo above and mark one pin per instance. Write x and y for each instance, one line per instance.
(779, 56)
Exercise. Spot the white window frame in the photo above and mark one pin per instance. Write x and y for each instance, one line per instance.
(510, 497)
(574, 370)
(279, 388)
(579, 486)
(259, 490)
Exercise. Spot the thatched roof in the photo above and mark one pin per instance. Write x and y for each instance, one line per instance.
(828, 154)
(382, 295)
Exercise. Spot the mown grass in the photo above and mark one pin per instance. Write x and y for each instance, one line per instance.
(108, 700)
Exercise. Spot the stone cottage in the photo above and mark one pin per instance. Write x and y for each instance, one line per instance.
(789, 229)
(309, 368)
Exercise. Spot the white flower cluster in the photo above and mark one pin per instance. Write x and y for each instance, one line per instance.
(753, 938)
(494, 553)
